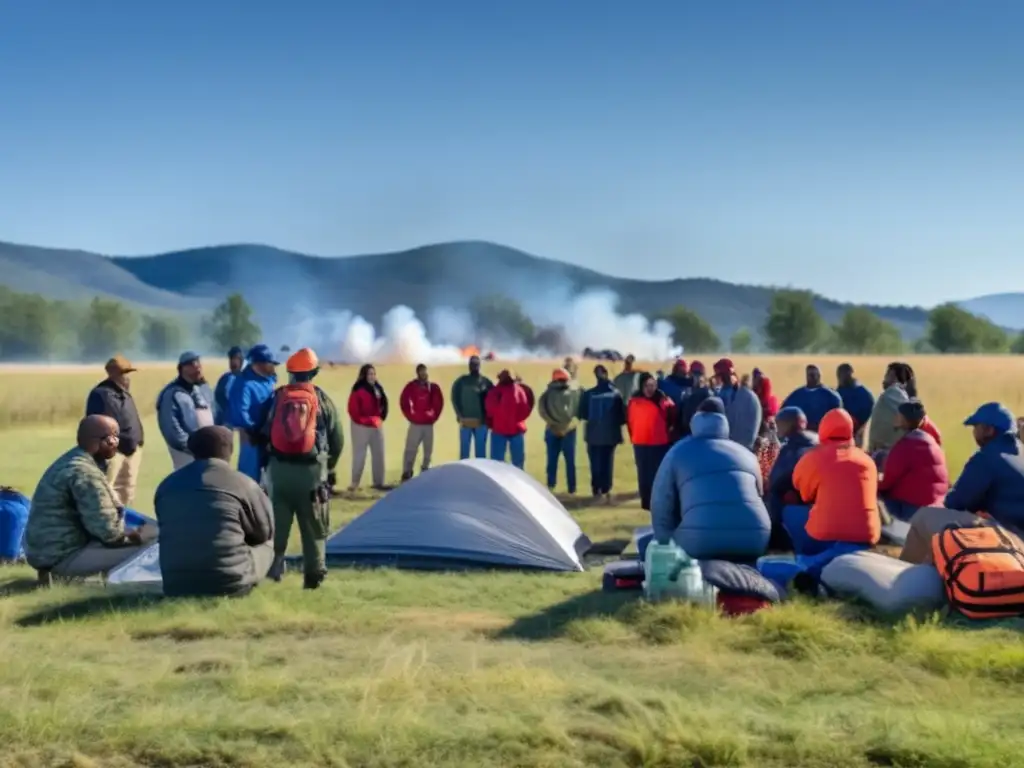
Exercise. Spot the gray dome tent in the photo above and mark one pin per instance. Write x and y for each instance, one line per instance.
(471, 513)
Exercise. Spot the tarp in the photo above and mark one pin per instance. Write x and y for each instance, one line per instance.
(471, 513)
(143, 568)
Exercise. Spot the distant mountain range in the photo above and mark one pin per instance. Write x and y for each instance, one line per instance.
(274, 281)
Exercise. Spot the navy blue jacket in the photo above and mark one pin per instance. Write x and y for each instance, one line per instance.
(780, 479)
(689, 407)
(992, 481)
(676, 387)
(858, 402)
(604, 412)
(815, 402)
(222, 399)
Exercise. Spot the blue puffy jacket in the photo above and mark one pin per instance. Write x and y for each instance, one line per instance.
(992, 481)
(858, 402)
(780, 479)
(743, 410)
(604, 412)
(707, 495)
(815, 402)
(249, 396)
(222, 399)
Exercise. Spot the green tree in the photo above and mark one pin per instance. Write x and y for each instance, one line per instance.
(862, 332)
(503, 317)
(953, 330)
(793, 323)
(741, 342)
(162, 337)
(107, 328)
(1018, 345)
(691, 331)
(29, 326)
(232, 324)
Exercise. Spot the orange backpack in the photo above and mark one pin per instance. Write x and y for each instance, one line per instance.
(983, 571)
(293, 427)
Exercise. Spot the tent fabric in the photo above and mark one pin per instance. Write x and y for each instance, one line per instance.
(142, 569)
(470, 513)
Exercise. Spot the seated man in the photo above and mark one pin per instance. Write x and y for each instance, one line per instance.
(76, 526)
(840, 483)
(914, 474)
(216, 524)
(707, 493)
(797, 440)
(990, 489)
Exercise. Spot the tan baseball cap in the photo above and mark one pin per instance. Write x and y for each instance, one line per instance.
(120, 364)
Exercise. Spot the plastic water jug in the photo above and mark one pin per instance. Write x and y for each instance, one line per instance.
(671, 573)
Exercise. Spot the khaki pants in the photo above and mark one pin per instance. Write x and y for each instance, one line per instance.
(929, 521)
(123, 475)
(180, 459)
(418, 434)
(94, 558)
(367, 439)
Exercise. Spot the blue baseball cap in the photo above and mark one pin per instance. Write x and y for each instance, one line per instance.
(187, 357)
(995, 415)
(791, 412)
(261, 354)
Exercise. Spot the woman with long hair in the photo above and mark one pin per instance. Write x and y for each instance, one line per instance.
(368, 409)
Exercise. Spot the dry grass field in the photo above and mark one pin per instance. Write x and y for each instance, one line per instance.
(385, 668)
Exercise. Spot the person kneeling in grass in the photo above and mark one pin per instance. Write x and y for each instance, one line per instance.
(216, 524)
(76, 525)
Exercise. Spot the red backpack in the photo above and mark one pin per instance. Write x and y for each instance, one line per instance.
(293, 426)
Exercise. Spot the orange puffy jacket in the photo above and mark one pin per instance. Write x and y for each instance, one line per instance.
(840, 482)
(650, 421)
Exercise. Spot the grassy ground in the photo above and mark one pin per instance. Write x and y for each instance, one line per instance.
(385, 668)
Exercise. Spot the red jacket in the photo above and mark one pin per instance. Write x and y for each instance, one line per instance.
(364, 408)
(507, 407)
(929, 426)
(422, 403)
(915, 471)
(769, 402)
(651, 422)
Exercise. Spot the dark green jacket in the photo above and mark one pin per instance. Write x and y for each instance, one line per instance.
(468, 393)
(210, 517)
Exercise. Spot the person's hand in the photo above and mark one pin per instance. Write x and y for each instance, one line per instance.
(133, 536)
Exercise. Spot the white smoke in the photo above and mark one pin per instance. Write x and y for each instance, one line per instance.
(587, 320)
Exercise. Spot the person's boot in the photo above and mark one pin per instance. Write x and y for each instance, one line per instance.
(276, 568)
(313, 580)
(406, 476)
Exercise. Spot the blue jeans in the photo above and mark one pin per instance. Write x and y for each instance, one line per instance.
(899, 509)
(602, 466)
(249, 460)
(502, 444)
(812, 554)
(473, 435)
(558, 446)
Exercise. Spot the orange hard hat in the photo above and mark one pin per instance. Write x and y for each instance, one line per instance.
(303, 361)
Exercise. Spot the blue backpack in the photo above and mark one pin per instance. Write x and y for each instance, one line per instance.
(14, 509)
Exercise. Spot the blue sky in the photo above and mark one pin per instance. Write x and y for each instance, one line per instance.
(870, 150)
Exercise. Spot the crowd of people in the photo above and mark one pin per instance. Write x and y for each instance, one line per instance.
(725, 469)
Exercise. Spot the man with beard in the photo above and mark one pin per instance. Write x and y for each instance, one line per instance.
(183, 407)
(468, 393)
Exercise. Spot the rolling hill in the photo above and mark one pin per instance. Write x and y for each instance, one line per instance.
(275, 281)
(1006, 309)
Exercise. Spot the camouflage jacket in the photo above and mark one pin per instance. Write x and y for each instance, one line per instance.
(72, 506)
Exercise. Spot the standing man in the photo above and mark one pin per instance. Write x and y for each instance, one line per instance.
(302, 439)
(857, 400)
(249, 397)
(222, 393)
(468, 393)
(112, 397)
(603, 410)
(814, 399)
(184, 407)
(422, 403)
(559, 407)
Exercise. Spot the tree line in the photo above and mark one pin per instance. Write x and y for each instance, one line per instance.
(35, 328)
(793, 324)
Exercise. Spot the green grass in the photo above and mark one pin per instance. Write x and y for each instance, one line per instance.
(387, 669)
